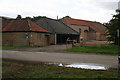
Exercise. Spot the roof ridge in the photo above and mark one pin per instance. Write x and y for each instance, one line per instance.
(82, 20)
(6, 17)
(50, 18)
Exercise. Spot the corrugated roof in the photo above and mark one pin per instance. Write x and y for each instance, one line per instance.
(55, 26)
(94, 25)
(21, 25)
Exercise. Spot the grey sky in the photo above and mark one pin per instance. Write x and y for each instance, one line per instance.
(94, 10)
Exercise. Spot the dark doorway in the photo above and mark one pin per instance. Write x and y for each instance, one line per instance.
(62, 38)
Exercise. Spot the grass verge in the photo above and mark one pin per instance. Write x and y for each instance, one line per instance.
(12, 69)
(102, 49)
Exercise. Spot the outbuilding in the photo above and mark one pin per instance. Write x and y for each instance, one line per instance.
(90, 30)
(60, 32)
(23, 32)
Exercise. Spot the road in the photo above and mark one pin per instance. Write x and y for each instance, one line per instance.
(66, 58)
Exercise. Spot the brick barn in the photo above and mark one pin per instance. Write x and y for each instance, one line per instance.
(89, 30)
(23, 32)
(60, 31)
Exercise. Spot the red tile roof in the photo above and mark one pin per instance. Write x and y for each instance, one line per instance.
(5, 22)
(94, 25)
(21, 25)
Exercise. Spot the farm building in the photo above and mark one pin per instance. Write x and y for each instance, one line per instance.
(89, 30)
(23, 32)
(60, 31)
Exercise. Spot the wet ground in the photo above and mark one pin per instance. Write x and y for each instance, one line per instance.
(83, 66)
(57, 54)
(64, 58)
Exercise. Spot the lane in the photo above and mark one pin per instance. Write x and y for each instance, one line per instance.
(67, 58)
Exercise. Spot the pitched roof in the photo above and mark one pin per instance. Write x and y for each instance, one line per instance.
(5, 22)
(55, 26)
(94, 25)
(21, 25)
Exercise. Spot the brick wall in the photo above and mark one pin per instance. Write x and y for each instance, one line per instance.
(21, 39)
(52, 39)
(83, 29)
(76, 28)
(14, 39)
(92, 35)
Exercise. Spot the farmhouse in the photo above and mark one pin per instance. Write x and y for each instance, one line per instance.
(89, 30)
(60, 32)
(23, 32)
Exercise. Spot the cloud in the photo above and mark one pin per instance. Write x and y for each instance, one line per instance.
(99, 10)
(108, 5)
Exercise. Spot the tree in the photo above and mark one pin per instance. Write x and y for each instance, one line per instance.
(35, 18)
(68, 16)
(19, 16)
(113, 25)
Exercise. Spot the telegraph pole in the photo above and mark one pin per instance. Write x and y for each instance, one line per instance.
(118, 35)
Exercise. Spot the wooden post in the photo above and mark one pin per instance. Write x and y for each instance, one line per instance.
(55, 38)
(118, 35)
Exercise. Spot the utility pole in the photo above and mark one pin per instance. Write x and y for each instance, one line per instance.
(118, 35)
(57, 17)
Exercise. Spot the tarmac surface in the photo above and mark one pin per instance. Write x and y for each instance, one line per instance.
(57, 54)
(65, 58)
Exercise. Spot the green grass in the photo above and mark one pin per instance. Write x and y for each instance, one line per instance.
(12, 69)
(102, 49)
(14, 47)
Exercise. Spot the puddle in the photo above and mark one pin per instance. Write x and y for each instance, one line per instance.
(88, 66)
(82, 66)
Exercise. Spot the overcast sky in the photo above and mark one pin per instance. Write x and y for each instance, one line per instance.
(94, 10)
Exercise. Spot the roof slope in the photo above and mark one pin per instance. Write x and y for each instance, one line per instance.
(5, 21)
(94, 25)
(55, 26)
(21, 25)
